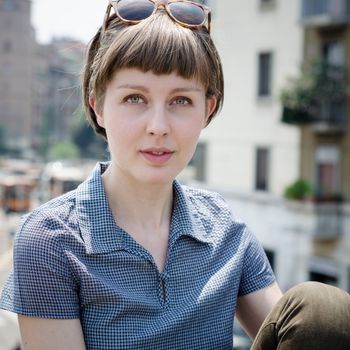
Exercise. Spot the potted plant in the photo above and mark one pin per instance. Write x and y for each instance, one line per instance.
(299, 190)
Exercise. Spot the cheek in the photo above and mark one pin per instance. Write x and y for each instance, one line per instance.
(195, 126)
(115, 124)
(122, 136)
(190, 135)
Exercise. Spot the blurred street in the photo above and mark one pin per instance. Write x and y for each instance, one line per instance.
(9, 335)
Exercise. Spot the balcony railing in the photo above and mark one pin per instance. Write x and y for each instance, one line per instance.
(317, 98)
(325, 12)
(331, 119)
(328, 221)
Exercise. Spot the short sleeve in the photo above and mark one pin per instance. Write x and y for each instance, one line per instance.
(41, 284)
(256, 273)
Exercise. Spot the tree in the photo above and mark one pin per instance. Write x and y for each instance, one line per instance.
(89, 144)
(64, 150)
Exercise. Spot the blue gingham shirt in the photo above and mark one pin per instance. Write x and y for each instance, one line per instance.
(71, 260)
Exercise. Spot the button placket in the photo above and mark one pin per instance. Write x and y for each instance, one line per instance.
(163, 286)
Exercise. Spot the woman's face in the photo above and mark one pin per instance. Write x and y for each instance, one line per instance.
(152, 123)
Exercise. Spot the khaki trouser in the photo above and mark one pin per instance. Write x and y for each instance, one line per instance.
(310, 316)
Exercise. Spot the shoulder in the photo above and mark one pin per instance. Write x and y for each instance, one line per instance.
(206, 201)
(48, 224)
(47, 243)
(215, 213)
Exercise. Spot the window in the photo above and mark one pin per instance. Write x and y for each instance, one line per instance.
(267, 4)
(262, 169)
(333, 52)
(198, 161)
(324, 270)
(5, 89)
(323, 278)
(7, 46)
(327, 170)
(264, 74)
(9, 5)
(271, 258)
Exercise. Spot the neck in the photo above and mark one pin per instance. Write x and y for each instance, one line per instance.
(138, 206)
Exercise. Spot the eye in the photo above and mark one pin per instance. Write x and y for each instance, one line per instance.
(134, 99)
(182, 101)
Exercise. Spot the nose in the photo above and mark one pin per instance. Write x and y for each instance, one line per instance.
(158, 122)
(162, 3)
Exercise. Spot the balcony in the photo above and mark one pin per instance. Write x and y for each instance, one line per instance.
(318, 99)
(328, 221)
(323, 13)
(322, 220)
(331, 118)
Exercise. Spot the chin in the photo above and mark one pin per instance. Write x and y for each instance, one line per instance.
(159, 177)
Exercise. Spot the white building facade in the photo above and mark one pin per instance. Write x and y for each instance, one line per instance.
(260, 44)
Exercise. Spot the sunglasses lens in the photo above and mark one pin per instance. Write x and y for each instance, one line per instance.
(135, 10)
(187, 13)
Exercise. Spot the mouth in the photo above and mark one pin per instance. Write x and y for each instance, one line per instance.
(157, 153)
(157, 156)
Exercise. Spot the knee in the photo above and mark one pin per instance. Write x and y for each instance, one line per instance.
(310, 315)
(320, 300)
(320, 297)
(319, 310)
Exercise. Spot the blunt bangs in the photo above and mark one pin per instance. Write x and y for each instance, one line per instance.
(158, 45)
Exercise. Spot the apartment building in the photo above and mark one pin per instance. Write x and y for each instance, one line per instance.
(258, 145)
(247, 148)
(325, 134)
(39, 84)
(17, 46)
(58, 81)
(325, 140)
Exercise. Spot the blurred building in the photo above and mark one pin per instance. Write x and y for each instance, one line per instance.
(325, 132)
(18, 120)
(58, 84)
(258, 145)
(260, 45)
(39, 84)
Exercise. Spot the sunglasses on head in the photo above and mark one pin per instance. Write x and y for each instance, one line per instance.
(188, 14)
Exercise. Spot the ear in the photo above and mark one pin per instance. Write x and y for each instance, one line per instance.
(99, 117)
(210, 107)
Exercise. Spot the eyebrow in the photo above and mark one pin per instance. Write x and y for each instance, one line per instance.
(143, 88)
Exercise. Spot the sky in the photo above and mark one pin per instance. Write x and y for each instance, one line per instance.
(78, 19)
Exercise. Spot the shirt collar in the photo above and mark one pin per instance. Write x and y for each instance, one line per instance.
(185, 218)
(99, 230)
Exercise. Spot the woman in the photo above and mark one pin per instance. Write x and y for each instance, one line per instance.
(132, 259)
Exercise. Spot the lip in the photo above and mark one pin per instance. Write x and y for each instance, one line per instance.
(157, 156)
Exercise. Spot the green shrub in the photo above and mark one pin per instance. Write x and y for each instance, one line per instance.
(300, 189)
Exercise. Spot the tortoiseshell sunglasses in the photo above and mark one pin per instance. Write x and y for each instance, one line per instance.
(188, 14)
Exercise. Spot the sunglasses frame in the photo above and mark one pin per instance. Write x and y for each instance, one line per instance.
(159, 3)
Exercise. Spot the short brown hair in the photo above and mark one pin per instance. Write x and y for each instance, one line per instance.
(156, 44)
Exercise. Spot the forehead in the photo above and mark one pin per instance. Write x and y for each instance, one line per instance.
(133, 77)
